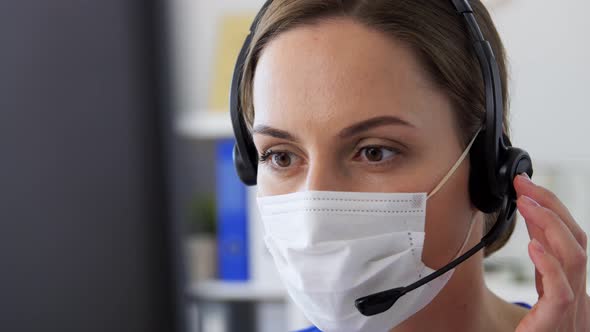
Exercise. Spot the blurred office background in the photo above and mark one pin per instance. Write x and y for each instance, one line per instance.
(549, 115)
(119, 207)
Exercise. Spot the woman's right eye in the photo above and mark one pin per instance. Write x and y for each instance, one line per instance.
(278, 159)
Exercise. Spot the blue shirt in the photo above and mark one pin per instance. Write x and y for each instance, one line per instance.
(315, 329)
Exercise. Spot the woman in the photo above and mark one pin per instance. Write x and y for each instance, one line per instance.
(355, 108)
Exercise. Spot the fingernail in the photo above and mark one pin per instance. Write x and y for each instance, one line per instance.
(526, 177)
(529, 201)
(537, 246)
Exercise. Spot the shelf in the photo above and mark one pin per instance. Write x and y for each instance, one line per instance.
(204, 124)
(216, 290)
(510, 290)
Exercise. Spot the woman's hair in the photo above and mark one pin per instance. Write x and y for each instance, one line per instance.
(436, 34)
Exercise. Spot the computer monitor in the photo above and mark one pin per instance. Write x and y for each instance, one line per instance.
(87, 238)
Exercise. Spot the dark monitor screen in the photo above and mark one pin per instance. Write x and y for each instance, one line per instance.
(87, 240)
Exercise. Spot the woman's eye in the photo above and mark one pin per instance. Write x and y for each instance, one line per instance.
(375, 154)
(281, 159)
(278, 159)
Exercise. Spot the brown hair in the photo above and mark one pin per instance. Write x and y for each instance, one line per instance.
(433, 30)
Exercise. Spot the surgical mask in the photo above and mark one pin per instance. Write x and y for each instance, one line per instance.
(332, 247)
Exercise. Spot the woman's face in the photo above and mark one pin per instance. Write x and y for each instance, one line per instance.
(342, 107)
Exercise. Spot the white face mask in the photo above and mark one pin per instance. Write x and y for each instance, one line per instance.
(331, 248)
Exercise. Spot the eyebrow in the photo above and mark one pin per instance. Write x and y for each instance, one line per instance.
(278, 133)
(344, 133)
(371, 123)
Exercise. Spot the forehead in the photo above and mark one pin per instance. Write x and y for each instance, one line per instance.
(338, 72)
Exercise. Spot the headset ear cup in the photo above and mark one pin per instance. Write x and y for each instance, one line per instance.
(480, 188)
(516, 161)
(246, 172)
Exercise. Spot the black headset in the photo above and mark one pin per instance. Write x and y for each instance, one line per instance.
(494, 161)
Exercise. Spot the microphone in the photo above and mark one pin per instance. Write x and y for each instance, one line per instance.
(380, 302)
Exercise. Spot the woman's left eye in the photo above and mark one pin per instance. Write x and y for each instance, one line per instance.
(376, 154)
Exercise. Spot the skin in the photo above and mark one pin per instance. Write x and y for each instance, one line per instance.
(342, 107)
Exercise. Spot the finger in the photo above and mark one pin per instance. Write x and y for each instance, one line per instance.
(535, 232)
(559, 238)
(548, 313)
(574, 268)
(524, 186)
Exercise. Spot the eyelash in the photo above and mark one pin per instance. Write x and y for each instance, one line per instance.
(266, 158)
(265, 155)
(379, 163)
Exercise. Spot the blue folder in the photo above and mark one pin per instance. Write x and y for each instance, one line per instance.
(231, 217)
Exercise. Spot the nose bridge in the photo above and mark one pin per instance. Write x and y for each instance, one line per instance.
(324, 175)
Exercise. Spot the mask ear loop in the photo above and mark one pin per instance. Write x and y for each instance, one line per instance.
(454, 168)
(467, 237)
(446, 178)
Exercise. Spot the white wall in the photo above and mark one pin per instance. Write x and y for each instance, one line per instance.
(547, 43)
(194, 35)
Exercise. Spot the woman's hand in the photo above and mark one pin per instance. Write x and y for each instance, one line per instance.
(558, 250)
